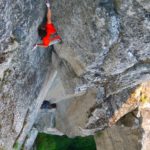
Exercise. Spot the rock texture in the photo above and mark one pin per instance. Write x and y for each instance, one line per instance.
(107, 45)
(21, 71)
(105, 55)
(118, 138)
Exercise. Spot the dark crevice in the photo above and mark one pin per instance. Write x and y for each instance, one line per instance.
(24, 123)
(109, 5)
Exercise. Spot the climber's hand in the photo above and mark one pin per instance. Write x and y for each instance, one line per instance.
(47, 3)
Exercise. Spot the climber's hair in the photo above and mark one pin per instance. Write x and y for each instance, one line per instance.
(41, 28)
(41, 31)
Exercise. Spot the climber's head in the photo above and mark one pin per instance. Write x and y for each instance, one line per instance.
(42, 31)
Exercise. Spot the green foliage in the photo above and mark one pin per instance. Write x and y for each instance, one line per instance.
(53, 142)
(16, 146)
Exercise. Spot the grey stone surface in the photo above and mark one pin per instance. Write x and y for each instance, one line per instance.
(22, 71)
(121, 138)
(106, 48)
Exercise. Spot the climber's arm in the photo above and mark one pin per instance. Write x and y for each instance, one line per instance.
(49, 13)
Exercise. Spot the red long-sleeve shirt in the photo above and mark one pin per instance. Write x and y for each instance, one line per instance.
(50, 30)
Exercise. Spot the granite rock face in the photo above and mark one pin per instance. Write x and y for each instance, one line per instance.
(107, 45)
(118, 138)
(21, 70)
(105, 55)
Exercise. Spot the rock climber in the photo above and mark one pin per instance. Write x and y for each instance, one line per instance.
(48, 32)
